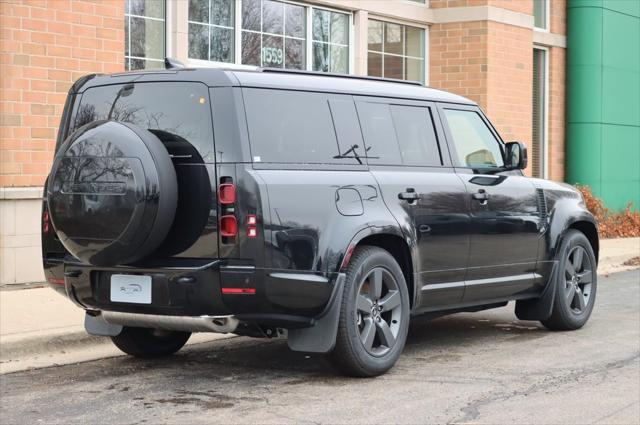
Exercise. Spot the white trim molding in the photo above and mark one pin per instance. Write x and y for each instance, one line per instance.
(549, 39)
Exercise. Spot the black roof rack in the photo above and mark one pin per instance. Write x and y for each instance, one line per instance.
(334, 74)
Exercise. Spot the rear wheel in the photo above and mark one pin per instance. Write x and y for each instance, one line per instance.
(575, 285)
(146, 343)
(374, 315)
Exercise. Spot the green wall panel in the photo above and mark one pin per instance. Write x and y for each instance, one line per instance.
(603, 98)
(620, 34)
(620, 97)
(620, 153)
(584, 150)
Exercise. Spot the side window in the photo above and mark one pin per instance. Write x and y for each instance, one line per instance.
(379, 133)
(416, 135)
(290, 127)
(348, 131)
(475, 145)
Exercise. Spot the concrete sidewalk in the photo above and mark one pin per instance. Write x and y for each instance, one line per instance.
(39, 327)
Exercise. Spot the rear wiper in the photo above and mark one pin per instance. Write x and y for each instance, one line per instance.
(355, 155)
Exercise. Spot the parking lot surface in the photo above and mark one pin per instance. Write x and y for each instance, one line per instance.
(485, 367)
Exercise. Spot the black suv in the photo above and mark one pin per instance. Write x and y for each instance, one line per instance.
(325, 209)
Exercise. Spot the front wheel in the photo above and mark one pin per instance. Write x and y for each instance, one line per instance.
(147, 343)
(575, 284)
(374, 314)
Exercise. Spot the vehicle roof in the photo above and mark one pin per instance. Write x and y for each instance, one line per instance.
(281, 79)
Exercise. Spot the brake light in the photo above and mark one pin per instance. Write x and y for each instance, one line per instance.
(227, 193)
(238, 291)
(228, 226)
(252, 223)
(45, 221)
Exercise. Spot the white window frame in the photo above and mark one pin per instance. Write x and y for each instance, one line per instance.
(545, 116)
(237, 53)
(425, 28)
(167, 34)
(547, 18)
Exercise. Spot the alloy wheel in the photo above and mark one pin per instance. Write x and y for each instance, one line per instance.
(378, 311)
(578, 273)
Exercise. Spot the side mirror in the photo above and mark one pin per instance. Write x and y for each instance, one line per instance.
(515, 157)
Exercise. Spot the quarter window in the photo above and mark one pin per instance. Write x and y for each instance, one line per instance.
(144, 29)
(290, 127)
(395, 51)
(475, 145)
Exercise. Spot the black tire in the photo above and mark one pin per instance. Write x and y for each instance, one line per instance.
(575, 284)
(148, 343)
(369, 264)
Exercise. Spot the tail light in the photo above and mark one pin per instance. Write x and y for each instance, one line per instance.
(45, 222)
(227, 193)
(228, 226)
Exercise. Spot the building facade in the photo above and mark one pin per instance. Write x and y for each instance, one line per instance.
(603, 95)
(509, 56)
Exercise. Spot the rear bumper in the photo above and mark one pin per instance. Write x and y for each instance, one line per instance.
(188, 289)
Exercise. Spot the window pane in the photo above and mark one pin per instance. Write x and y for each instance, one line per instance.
(393, 39)
(199, 11)
(198, 41)
(339, 28)
(272, 17)
(375, 35)
(222, 12)
(538, 107)
(374, 63)
(147, 38)
(126, 32)
(345, 121)
(416, 135)
(250, 48)
(379, 133)
(280, 128)
(320, 57)
(320, 28)
(414, 41)
(295, 20)
(221, 44)
(251, 15)
(414, 69)
(393, 67)
(180, 110)
(272, 51)
(294, 54)
(150, 8)
(540, 13)
(339, 59)
(474, 143)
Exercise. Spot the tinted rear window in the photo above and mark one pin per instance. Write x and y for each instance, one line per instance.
(178, 113)
(290, 127)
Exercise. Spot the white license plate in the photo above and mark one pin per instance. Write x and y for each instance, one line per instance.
(127, 288)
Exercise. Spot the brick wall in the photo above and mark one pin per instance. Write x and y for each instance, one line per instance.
(44, 47)
(458, 59)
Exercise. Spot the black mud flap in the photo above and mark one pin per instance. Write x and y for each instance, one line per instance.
(539, 308)
(321, 337)
(96, 325)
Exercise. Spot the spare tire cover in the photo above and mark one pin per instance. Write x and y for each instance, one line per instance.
(112, 193)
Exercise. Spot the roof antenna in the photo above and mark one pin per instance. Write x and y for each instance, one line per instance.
(171, 63)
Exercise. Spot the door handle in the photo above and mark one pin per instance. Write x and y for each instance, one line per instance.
(410, 195)
(482, 196)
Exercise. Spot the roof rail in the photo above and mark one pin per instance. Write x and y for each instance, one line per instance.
(334, 74)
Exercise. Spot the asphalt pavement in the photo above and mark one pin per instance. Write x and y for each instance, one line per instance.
(484, 367)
